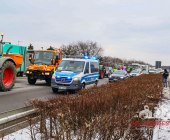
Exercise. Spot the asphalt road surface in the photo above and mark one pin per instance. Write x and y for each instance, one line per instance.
(22, 92)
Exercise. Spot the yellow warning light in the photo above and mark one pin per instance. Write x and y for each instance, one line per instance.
(59, 48)
(2, 34)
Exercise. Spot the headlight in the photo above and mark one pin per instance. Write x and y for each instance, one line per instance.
(121, 77)
(110, 76)
(47, 73)
(29, 72)
(76, 78)
(53, 77)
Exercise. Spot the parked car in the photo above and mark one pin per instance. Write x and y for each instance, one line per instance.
(145, 72)
(135, 73)
(157, 71)
(118, 75)
(151, 70)
(109, 71)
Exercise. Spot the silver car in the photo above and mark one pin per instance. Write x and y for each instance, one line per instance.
(135, 73)
(145, 72)
(151, 70)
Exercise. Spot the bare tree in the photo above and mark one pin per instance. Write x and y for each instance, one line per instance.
(113, 61)
(31, 47)
(82, 48)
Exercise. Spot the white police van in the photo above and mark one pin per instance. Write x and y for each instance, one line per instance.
(74, 73)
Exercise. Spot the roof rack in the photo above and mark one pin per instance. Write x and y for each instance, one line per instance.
(81, 57)
(74, 56)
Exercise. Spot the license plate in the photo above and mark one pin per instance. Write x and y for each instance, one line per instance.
(114, 79)
(61, 87)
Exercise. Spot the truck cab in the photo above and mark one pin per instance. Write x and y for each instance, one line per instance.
(75, 73)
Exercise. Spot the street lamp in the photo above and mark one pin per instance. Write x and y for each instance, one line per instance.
(19, 41)
(2, 34)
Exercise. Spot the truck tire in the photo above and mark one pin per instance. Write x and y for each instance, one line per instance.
(7, 76)
(48, 81)
(21, 74)
(31, 81)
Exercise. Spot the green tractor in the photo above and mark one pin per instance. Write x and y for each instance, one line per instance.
(8, 65)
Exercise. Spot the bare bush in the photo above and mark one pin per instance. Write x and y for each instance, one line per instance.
(104, 112)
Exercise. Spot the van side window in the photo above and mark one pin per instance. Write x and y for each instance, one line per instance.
(87, 67)
(94, 67)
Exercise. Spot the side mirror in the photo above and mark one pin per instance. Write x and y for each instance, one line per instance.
(30, 57)
(86, 71)
(56, 59)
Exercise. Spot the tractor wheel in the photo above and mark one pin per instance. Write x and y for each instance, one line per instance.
(7, 76)
(48, 81)
(31, 81)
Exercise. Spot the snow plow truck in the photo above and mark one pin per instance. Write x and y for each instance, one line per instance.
(43, 63)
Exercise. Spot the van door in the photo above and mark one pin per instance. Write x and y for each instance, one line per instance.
(94, 69)
(86, 73)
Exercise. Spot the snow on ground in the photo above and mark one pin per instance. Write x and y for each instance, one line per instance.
(163, 132)
(23, 134)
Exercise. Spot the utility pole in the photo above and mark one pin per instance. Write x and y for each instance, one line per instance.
(19, 41)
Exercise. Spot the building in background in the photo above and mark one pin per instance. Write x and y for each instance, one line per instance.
(158, 64)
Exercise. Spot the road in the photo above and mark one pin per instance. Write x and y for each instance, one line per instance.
(22, 92)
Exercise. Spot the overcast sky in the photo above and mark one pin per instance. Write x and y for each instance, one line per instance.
(131, 29)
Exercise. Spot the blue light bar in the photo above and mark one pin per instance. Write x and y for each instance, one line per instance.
(86, 57)
(94, 58)
(58, 76)
(68, 77)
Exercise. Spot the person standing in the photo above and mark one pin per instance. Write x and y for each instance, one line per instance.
(104, 71)
(165, 75)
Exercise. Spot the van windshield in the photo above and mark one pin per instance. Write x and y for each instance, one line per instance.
(71, 65)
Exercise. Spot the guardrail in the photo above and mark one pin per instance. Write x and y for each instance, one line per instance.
(11, 119)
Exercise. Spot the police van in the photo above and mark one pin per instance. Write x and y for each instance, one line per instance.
(74, 73)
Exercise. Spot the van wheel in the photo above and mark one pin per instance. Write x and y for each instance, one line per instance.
(83, 86)
(55, 90)
(96, 82)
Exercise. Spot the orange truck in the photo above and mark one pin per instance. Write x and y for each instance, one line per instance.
(43, 63)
